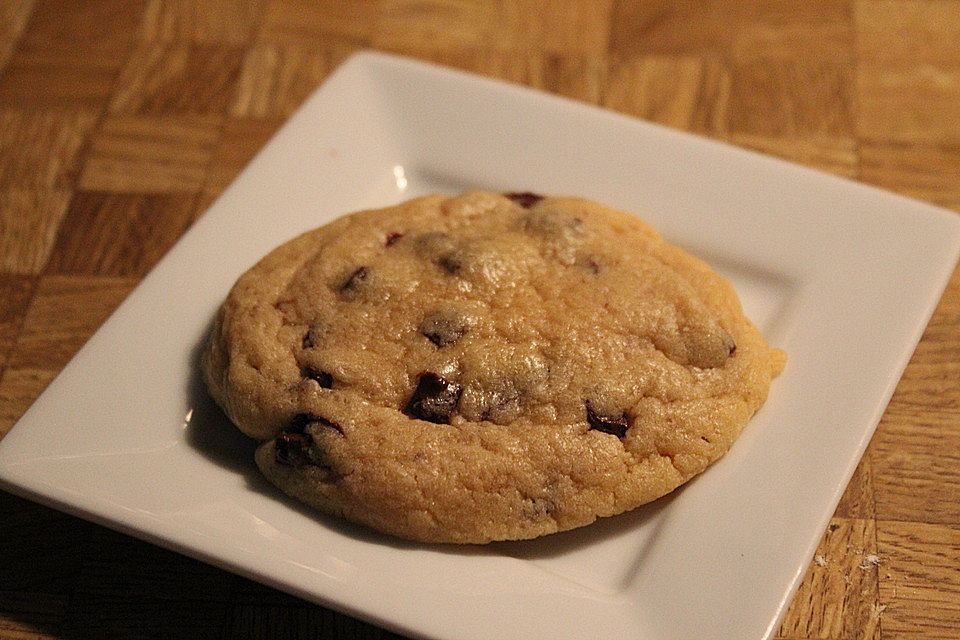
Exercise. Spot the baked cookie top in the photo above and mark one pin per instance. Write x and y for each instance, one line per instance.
(485, 367)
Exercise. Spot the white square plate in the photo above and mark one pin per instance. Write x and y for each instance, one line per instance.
(842, 276)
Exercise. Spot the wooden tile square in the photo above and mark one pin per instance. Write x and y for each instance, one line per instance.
(908, 31)
(15, 293)
(241, 140)
(927, 172)
(67, 56)
(102, 27)
(434, 24)
(570, 27)
(38, 149)
(64, 313)
(29, 220)
(201, 21)
(57, 79)
(150, 154)
(19, 387)
(312, 21)
(909, 103)
(119, 234)
(175, 78)
(838, 596)
(791, 97)
(919, 579)
(276, 78)
(13, 19)
(686, 92)
(733, 28)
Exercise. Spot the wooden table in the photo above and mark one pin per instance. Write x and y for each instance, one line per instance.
(121, 120)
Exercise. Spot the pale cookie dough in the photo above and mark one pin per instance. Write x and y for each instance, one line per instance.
(481, 367)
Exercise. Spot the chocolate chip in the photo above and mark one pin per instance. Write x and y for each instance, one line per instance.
(392, 238)
(301, 421)
(322, 378)
(291, 449)
(614, 425)
(434, 399)
(294, 447)
(525, 199)
(451, 262)
(443, 328)
(355, 279)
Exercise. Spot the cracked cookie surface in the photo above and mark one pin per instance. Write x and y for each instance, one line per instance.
(485, 367)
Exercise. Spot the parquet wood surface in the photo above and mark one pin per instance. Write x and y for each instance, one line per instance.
(121, 121)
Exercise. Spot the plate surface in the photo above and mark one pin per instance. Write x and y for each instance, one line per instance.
(842, 276)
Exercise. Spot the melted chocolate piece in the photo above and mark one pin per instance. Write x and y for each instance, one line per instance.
(301, 421)
(355, 280)
(292, 449)
(525, 199)
(614, 425)
(392, 238)
(443, 329)
(451, 262)
(434, 399)
(322, 378)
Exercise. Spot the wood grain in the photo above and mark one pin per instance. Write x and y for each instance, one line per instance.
(39, 148)
(122, 120)
(159, 154)
(29, 220)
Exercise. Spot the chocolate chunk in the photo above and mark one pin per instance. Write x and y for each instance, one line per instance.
(451, 262)
(443, 328)
(355, 279)
(392, 238)
(301, 421)
(322, 378)
(292, 449)
(614, 425)
(434, 399)
(525, 199)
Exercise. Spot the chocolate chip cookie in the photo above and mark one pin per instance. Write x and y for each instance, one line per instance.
(485, 367)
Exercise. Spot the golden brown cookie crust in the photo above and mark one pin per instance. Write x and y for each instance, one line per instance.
(477, 368)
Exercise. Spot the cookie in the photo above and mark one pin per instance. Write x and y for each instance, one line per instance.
(485, 367)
